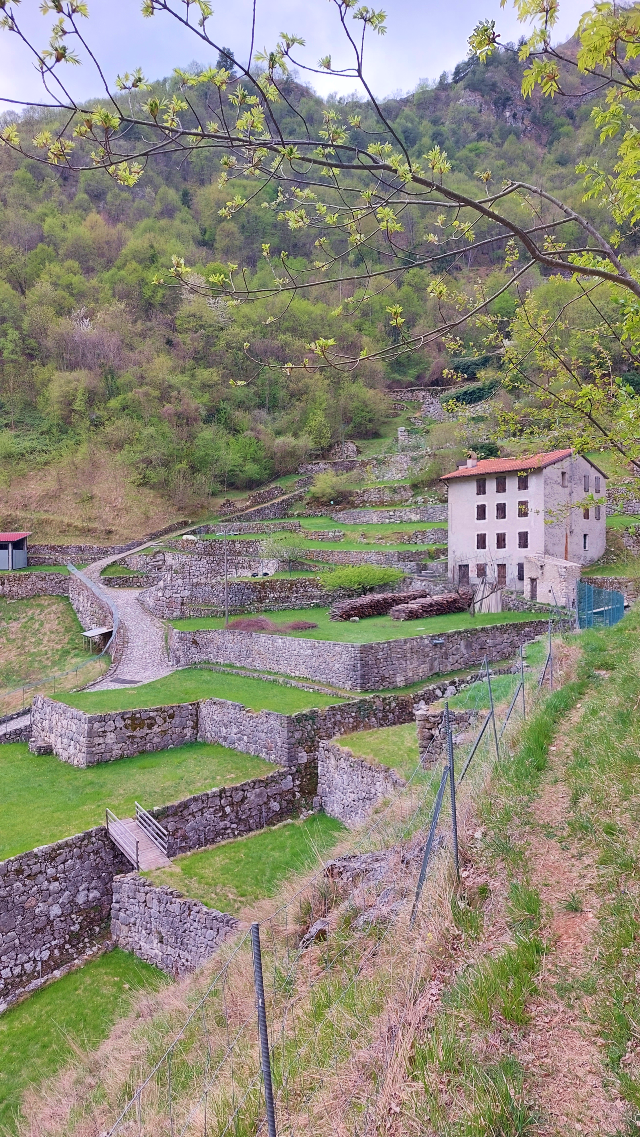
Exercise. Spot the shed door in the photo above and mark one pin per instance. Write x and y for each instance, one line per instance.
(4, 559)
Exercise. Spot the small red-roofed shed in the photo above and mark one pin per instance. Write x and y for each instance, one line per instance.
(13, 551)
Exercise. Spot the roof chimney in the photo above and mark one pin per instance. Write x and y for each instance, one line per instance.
(472, 460)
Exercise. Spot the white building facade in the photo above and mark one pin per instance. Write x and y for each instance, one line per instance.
(506, 515)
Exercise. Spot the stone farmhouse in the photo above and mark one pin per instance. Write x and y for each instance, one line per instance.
(526, 524)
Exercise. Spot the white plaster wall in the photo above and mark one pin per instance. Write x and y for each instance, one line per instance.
(547, 498)
(464, 526)
(563, 537)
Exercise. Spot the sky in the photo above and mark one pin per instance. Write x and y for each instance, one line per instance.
(424, 38)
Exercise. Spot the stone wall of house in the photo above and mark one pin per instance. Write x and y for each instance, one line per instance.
(233, 811)
(25, 585)
(386, 516)
(355, 667)
(180, 595)
(348, 787)
(165, 928)
(85, 740)
(55, 905)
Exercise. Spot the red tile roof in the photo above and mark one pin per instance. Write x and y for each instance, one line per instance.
(13, 536)
(508, 465)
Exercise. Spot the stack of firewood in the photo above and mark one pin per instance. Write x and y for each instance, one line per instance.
(377, 604)
(433, 606)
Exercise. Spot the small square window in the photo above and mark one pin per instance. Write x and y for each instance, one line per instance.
(521, 570)
(501, 540)
(501, 484)
(523, 540)
(523, 481)
(586, 483)
(585, 514)
(523, 509)
(481, 486)
(502, 574)
(597, 512)
(481, 571)
(585, 541)
(563, 479)
(481, 513)
(481, 540)
(597, 483)
(501, 510)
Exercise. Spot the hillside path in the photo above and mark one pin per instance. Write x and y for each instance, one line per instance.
(145, 656)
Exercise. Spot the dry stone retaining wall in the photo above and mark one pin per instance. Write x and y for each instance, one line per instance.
(629, 586)
(180, 595)
(385, 516)
(233, 811)
(25, 585)
(55, 905)
(85, 740)
(165, 928)
(348, 787)
(355, 667)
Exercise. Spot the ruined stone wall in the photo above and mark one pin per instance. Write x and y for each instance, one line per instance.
(25, 585)
(348, 787)
(355, 667)
(233, 811)
(85, 740)
(180, 595)
(55, 906)
(165, 928)
(392, 516)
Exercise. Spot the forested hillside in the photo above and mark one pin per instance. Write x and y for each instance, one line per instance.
(180, 396)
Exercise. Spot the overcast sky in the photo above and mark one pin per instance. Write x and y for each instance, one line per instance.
(424, 38)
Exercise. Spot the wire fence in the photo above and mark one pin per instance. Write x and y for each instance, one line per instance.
(302, 1026)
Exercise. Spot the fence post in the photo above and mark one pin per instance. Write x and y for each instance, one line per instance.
(262, 1030)
(493, 713)
(550, 660)
(452, 789)
(524, 706)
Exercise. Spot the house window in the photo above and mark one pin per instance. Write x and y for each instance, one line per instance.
(501, 510)
(563, 479)
(502, 574)
(586, 483)
(481, 486)
(520, 570)
(501, 484)
(523, 509)
(585, 514)
(481, 540)
(481, 513)
(597, 512)
(501, 540)
(523, 540)
(597, 483)
(523, 481)
(481, 572)
(585, 541)
(463, 574)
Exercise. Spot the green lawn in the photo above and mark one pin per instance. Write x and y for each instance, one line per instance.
(62, 569)
(190, 684)
(476, 697)
(43, 800)
(42, 1034)
(120, 570)
(350, 545)
(622, 521)
(237, 873)
(629, 567)
(394, 746)
(369, 630)
(376, 529)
